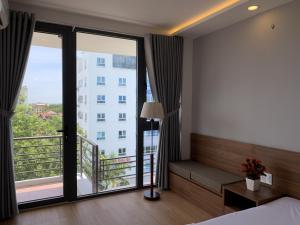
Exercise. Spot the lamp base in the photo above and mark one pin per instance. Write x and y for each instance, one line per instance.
(154, 197)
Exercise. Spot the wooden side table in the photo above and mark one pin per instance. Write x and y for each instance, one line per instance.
(236, 196)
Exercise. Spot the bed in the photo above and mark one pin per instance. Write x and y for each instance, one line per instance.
(284, 211)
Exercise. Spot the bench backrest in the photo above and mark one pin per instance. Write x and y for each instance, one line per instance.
(228, 155)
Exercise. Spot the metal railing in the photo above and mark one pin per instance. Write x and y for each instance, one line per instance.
(37, 157)
(41, 157)
(87, 159)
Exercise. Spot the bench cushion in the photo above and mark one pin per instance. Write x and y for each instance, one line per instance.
(206, 176)
(183, 168)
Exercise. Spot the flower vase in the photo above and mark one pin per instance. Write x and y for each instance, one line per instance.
(253, 185)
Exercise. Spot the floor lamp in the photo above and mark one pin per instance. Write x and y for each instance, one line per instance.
(151, 111)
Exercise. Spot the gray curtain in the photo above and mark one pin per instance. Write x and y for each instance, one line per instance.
(164, 55)
(15, 42)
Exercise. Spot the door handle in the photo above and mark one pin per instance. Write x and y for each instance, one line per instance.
(64, 131)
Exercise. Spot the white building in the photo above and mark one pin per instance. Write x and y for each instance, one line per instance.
(106, 101)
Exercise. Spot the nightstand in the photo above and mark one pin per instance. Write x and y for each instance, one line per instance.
(236, 196)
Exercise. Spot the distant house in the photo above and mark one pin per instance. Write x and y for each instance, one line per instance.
(39, 107)
(47, 115)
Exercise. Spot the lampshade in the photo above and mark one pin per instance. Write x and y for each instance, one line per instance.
(152, 110)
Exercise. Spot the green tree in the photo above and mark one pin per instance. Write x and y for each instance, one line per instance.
(55, 108)
(35, 157)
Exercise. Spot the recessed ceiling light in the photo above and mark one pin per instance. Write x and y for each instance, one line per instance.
(253, 7)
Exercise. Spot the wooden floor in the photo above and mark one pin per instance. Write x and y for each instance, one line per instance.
(122, 209)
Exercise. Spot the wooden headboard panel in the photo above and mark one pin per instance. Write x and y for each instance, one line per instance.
(228, 155)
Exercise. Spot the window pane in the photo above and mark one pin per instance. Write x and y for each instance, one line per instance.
(106, 74)
(38, 149)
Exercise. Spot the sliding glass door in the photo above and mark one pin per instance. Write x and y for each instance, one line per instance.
(38, 148)
(78, 114)
(106, 113)
(42, 132)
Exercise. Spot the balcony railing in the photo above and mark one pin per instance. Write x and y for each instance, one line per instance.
(40, 158)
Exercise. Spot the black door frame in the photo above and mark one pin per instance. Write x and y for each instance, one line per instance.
(68, 35)
(141, 98)
(69, 104)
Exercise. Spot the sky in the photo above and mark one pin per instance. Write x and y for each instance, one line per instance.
(43, 75)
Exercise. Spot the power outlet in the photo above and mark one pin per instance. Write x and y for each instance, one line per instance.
(267, 179)
(263, 179)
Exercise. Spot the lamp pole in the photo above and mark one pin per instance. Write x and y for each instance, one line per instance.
(151, 195)
(151, 158)
(151, 111)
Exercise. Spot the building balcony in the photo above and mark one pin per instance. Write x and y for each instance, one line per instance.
(39, 168)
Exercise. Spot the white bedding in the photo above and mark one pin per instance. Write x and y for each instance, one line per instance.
(284, 211)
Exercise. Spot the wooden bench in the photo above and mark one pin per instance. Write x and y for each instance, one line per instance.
(201, 184)
(227, 155)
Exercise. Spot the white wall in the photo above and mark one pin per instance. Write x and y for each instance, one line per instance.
(74, 19)
(186, 112)
(246, 80)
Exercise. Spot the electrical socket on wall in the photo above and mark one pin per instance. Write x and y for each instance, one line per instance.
(267, 179)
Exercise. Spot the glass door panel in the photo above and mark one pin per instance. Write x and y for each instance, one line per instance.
(106, 113)
(38, 148)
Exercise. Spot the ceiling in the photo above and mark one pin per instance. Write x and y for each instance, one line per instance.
(230, 16)
(86, 42)
(186, 17)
